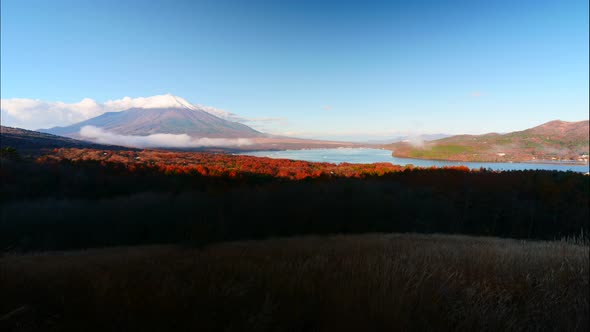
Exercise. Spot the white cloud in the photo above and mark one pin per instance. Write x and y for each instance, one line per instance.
(158, 140)
(34, 114)
(264, 124)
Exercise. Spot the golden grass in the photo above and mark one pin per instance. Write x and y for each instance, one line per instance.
(337, 283)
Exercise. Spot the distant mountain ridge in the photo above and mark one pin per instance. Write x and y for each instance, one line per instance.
(401, 138)
(552, 141)
(166, 115)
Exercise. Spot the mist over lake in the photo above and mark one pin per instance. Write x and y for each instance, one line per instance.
(367, 156)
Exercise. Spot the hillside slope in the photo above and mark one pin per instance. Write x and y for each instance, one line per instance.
(552, 141)
(34, 143)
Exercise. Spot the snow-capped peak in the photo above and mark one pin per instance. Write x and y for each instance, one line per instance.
(167, 101)
(160, 101)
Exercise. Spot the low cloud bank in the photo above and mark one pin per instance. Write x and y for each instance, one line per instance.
(101, 136)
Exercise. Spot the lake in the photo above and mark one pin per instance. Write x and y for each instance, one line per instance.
(367, 156)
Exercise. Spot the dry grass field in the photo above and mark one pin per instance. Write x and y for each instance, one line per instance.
(395, 282)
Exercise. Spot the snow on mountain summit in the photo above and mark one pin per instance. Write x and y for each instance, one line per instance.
(167, 101)
(159, 101)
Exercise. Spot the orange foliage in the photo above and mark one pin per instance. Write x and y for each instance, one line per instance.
(217, 164)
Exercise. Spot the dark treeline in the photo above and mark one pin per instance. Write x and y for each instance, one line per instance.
(85, 204)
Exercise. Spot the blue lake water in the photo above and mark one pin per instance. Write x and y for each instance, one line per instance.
(367, 156)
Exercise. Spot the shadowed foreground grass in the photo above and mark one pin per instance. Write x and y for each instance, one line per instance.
(363, 283)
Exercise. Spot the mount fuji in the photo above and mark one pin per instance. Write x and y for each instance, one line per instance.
(164, 114)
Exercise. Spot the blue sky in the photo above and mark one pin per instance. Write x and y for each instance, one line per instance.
(329, 69)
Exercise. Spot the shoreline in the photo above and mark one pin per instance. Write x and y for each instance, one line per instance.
(536, 161)
(539, 162)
